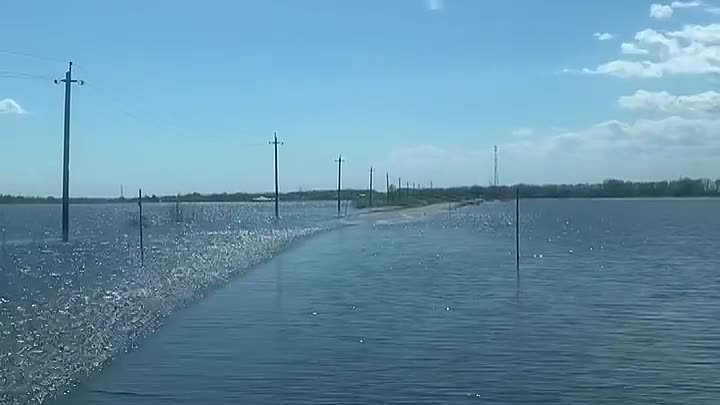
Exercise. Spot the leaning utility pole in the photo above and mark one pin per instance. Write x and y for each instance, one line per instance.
(277, 193)
(339, 161)
(370, 193)
(68, 80)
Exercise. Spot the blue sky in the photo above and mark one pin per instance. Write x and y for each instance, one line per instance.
(184, 96)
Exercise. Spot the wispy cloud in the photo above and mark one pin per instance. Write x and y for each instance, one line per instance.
(10, 106)
(629, 48)
(522, 132)
(686, 4)
(435, 5)
(604, 36)
(664, 102)
(689, 51)
(661, 11)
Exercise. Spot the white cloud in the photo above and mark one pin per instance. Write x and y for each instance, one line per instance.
(708, 34)
(693, 50)
(435, 5)
(662, 101)
(644, 135)
(630, 48)
(685, 4)
(626, 69)
(663, 11)
(660, 11)
(523, 132)
(713, 10)
(9, 106)
(604, 36)
(663, 148)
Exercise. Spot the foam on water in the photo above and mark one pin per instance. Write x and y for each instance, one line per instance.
(67, 309)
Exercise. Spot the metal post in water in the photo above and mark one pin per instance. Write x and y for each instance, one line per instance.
(370, 189)
(339, 162)
(517, 233)
(142, 249)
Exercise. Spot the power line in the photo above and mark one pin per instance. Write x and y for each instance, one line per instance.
(22, 75)
(31, 56)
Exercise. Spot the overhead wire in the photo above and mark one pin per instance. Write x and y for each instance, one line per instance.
(120, 107)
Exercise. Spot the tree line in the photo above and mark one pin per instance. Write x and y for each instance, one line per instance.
(612, 188)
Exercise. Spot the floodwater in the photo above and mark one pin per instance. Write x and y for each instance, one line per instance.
(617, 302)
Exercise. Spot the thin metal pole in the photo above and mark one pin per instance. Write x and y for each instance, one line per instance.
(277, 184)
(517, 233)
(339, 162)
(370, 191)
(142, 248)
(496, 181)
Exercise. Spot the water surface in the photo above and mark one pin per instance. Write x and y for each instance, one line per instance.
(617, 303)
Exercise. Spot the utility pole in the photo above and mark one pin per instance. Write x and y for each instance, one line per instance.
(407, 188)
(140, 221)
(495, 172)
(122, 194)
(517, 234)
(399, 189)
(430, 184)
(387, 187)
(68, 80)
(339, 161)
(370, 192)
(277, 193)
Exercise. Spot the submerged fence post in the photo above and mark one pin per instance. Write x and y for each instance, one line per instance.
(517, 233)
(142, 250)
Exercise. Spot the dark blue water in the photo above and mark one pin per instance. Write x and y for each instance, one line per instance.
(618, 302)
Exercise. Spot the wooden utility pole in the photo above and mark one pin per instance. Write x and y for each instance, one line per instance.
(277, 187)
(387, 187)
(339, 161)
(399, 189)
(68, 80)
